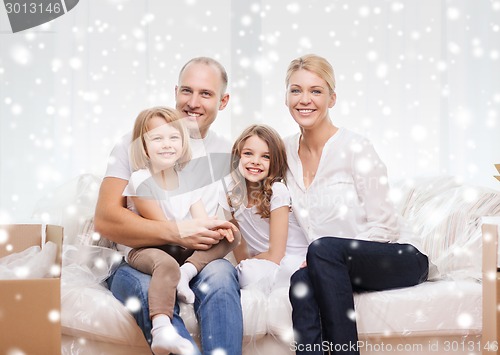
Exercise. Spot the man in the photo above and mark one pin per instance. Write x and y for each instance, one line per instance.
(200, 95)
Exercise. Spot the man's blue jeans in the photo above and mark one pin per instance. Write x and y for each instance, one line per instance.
(217, 304)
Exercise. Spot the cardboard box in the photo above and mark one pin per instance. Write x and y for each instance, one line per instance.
(30, 308)
(491, 285)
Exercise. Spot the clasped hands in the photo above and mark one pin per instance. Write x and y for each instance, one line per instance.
(202, 233)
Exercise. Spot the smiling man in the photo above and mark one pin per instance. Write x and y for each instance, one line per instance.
(200, 95)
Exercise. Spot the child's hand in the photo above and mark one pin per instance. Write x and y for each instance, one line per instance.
(227, 233)
(303, 265)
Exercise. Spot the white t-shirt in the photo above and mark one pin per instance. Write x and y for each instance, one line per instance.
(349, 194)
(210, 158)
(255, 229)
(175, 204)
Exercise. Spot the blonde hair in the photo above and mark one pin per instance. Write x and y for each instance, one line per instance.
(277, 168)
(138, 153)
(315, 64)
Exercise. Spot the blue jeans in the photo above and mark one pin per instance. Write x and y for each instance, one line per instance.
(217, 304)
(322, 293)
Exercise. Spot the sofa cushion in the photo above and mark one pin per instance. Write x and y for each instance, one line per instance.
(420, 310)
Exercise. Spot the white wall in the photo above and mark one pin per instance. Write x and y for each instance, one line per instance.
(420, 78)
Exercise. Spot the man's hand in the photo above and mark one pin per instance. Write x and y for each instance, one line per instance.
(201, 234)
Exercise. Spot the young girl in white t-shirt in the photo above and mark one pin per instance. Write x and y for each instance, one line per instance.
(159, 150)
(259, 201)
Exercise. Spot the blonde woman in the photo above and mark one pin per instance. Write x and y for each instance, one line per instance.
(339, 192)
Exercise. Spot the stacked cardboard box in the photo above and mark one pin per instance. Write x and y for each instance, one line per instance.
(30, 308)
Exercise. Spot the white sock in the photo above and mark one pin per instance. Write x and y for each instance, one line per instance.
(184, 293)
(166, 340)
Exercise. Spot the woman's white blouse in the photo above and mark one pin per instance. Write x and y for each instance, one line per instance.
(349, 195)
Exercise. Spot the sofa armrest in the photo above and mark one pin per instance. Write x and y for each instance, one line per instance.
(491, 285)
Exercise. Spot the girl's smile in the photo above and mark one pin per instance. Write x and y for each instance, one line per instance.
(254, 159)
(163, 144)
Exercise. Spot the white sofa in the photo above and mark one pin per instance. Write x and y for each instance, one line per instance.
(443, 313)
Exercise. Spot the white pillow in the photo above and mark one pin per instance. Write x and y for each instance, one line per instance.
(448, 218)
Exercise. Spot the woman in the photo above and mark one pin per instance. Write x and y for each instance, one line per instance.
(339, 192)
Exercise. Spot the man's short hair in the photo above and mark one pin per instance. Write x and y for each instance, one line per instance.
(213, 62)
